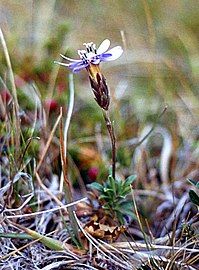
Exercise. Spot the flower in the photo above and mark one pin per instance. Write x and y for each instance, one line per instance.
(90, 60)
(93, 173)
(92, 56)
(51, 104)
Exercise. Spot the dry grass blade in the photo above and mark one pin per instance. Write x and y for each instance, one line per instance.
(47, 211)
(48, 191)
(19, 249)
(120, 253)
(48, 142)
(51, 243)
(138, 218)
(138, 246)
(12, 80)
(56, 265)
(67, 183)
(16, 119)
(68, 119)
(103, 250)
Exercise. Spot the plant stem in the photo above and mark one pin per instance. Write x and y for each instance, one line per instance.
(111, 132)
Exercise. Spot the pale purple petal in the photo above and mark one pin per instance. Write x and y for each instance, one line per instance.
(114, 53)
(62, 64)
(103, 46)
(76, 67)
(96, 61)
(69, 59)
(103, 56)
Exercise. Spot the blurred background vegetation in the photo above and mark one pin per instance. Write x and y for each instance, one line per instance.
(159, 67)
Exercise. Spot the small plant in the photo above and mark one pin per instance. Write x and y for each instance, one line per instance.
(192, 194)
(113, 197)
(113, 192)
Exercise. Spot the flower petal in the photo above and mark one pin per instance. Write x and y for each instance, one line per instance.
(76, 67)
(69, 59)
(96, 61)
(112, 54)
(103, 46)
(62, 64)
(103, 56)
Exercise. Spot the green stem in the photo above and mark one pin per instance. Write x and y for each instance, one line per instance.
(111, 132)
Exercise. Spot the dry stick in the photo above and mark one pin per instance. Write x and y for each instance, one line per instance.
(111, 132)
(68, 192)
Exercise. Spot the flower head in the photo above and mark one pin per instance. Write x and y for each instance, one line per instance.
(92, 56)
(90, 60)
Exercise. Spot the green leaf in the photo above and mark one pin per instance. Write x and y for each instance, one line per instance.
(194, 197)
(104, 197)
(112, 183)
(126, 204)
(121, 196)
(96, 186)
(125, 191)
(109, 192)
(130, 213)
(49, 242)
(106, 207)
(118, 185)
(129, 180)
(15, 235)
(120, 217)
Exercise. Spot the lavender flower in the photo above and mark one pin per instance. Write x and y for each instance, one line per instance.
(90, 60)
(93, 56)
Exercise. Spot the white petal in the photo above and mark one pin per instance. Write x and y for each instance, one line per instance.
(103, 46)
(115, 52)
(62, 64)
(69, 59)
